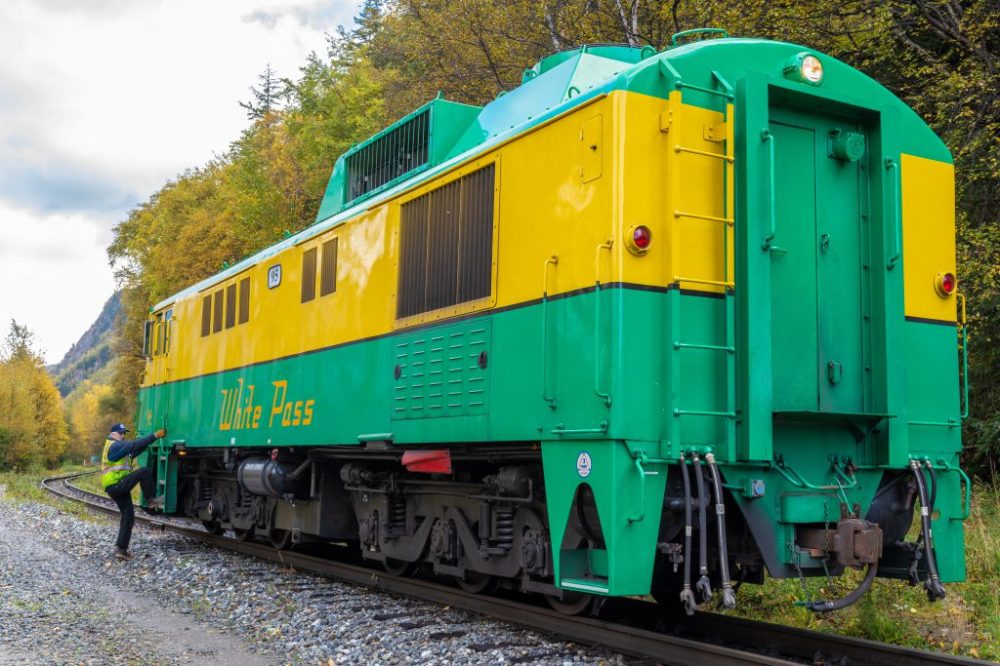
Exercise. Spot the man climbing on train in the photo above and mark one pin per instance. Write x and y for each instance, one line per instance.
(119, 478)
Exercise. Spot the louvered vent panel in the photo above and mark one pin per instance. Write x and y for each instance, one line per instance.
(440, 373)
(392, 155)
(447, 245)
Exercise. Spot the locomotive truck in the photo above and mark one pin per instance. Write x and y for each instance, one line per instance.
(653, 322)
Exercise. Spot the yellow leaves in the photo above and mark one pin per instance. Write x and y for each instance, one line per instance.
(32, 428)
(86, 418)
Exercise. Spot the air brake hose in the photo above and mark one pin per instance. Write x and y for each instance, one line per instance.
(933, 585)
(932, 500)
(728, 596)
(933, 489)
(827, 606)
(687, 595)
(703, 586)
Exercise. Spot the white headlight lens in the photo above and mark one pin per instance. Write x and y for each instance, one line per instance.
(812, 69)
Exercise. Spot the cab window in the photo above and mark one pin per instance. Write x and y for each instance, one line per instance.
(167, 319)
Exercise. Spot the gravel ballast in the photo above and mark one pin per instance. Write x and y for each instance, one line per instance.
(65, 600)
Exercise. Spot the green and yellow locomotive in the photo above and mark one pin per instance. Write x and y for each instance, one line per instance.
(650, 322)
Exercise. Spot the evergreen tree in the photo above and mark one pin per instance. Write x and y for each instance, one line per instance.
(266, 98)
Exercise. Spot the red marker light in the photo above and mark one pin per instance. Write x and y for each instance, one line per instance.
(642, 237)
(945, 284)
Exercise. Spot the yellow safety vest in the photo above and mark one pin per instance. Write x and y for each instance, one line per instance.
(113, 472)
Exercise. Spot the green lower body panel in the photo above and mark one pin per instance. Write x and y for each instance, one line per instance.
(628, 497)
(606, 372)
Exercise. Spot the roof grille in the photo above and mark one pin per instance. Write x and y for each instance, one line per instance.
(389, 156)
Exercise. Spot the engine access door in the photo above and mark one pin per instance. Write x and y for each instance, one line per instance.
(819, 272)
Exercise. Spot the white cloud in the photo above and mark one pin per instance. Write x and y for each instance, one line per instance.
(54, 275)
(102, 101)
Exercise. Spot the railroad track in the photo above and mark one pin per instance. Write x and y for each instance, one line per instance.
(651, 635)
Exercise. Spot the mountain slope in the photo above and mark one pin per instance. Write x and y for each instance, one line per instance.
(91, 353)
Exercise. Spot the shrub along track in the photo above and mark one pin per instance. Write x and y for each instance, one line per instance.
(628, 626)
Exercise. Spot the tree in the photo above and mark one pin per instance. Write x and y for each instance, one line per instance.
(20, 344)
(265, 98)
(31, 412)
(87, 412)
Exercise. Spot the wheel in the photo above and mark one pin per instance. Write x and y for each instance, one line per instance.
(477, 583)
(245, 535)
(399, 567)
(213, 526)
(571, 603)
(281, 539)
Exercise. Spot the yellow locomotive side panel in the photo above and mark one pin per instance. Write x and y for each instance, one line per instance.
(670, 189)
(566, 188)
(928, 199)
(556, 201)
(280, 323)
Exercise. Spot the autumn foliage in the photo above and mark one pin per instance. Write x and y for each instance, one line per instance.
(32, 429)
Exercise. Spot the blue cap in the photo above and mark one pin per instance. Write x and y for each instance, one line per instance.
(119, 428)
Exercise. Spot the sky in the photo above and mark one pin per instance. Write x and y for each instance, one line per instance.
(102, 102)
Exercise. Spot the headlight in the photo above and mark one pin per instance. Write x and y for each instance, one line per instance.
(805, 67)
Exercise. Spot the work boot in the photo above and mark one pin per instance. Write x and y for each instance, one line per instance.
(156, 502)
(122, 554)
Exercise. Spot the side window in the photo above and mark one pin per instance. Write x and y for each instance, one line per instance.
(225, 307)
(217, 312)
(308, 275)
(230, 306)
(167, 318)
(328, 274)
(158, 335)
(244, 300)
(147, 339)
(206, 315)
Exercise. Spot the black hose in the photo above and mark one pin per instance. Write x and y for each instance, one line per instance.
(703, 586)
(728, 596)
(687, 595)
(827, 606)
(934, 485)
(933, 585)
(931, 501)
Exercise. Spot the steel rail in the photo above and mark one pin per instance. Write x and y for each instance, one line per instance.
(706, 638)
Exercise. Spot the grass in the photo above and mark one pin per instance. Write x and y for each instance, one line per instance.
(966, 622)
(26, 487)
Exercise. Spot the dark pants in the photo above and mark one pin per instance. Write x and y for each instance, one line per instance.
(121, 493)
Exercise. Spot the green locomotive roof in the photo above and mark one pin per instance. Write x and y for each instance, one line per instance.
(557, 83)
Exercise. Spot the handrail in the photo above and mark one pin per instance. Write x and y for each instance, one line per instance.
(697, 31)
(767, 137)
(964, 329)
(561, 429)
(799, 481)
(642, 490)
(554, 260)
(606, 245)
(897, 221)
(640, 459)
(968, 486)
